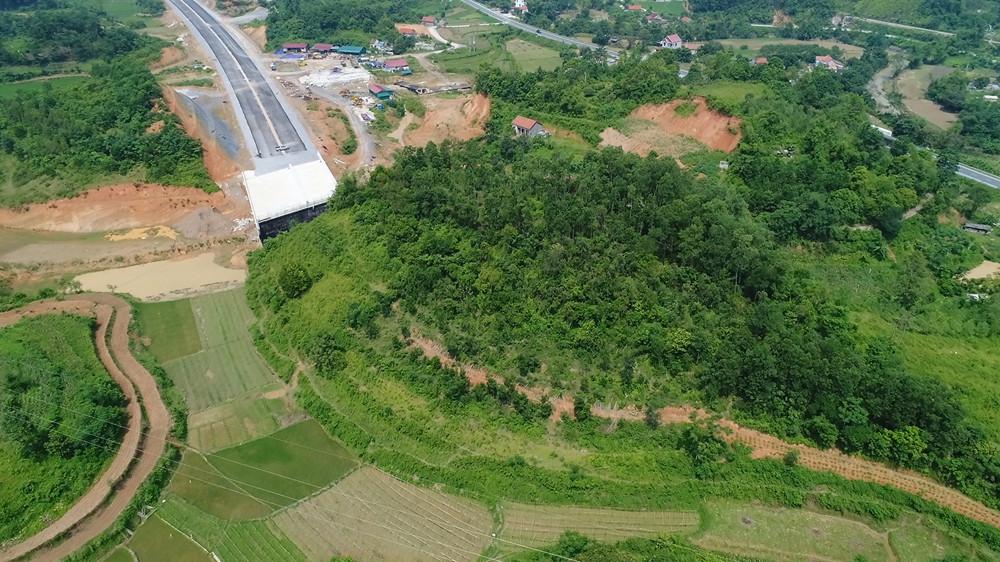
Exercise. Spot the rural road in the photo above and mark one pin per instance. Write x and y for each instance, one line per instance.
(115, 478)
(546, 34)
(901, 26)
(266, 117)
(532, 29)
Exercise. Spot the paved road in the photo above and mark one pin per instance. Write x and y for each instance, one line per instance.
(94, 501)
(269, 124)
(535, 30)
(979, 176)
(901, 26)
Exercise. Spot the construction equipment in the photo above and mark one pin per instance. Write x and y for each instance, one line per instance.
(273, 66)
(302, 63)
(317, 56)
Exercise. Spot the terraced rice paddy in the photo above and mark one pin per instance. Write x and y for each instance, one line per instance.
(372, 516)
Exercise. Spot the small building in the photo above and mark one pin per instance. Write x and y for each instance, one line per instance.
(294, 47)
(407, 32)
(828, 62)
(397, 65)
(686, 19)
(977, 228)
(322, 48)
(381, 93)
(520, 6)
(526, 127)
(351, 50)
(672, 42)
(635, 8)
(758, 60)
(428, 19)
(989, 97)
(723, 165)
(992, 87)
(406, 72)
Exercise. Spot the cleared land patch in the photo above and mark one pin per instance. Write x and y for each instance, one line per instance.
(659, 127)
(287, 466)
(155, 541)
(171, 328)
(913, 84)
(537, 525)
(163, 280)
(531, 57)
(642, 136)
(372, 516)
(789, 534)
(228, 365)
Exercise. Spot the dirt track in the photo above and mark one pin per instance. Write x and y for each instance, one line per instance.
(763, 445)
(93, 502)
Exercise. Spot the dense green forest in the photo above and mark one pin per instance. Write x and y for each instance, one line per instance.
(74, 34)
(979, 119)
(59, 411)
(90, 131)
(341, 22)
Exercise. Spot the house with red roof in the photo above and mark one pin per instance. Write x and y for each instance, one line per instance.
(397, 65)
(686, 19)
(828, 62)
(526, 127)
(428, 19)
(407, 32)
(635, 8)
(758, 60)
(672, 41)
(322, 48)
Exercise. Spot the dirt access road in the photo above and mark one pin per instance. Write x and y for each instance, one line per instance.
(763, 445)
(78, 521)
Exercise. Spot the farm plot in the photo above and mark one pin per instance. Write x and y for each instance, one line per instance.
(242, 419)
(257, 541)
(155, 541)
(171, 328)
(372, 516)
(535, 525)
(287, 466)
(228, 365)
(531, 57)
(199, 483)
(250, 541)
(789, 534)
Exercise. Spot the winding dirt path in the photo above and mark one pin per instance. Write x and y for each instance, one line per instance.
(78, 521)
(763, 445)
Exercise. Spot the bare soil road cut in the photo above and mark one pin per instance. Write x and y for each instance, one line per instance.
(131, 377)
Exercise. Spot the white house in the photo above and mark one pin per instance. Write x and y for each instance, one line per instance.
(829, 62)
(526, 127)
(671, 42)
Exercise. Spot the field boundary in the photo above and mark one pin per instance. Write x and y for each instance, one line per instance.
(77, 521)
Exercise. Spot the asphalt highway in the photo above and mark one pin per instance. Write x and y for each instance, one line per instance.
(978, 176)
(531, 29)
(270, 126)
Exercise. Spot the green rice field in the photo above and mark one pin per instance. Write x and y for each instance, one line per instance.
(155, 541)
(242, 419)
(531, 57)
(228, 366)
(170, 327)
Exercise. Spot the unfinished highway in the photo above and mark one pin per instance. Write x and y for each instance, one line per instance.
(271, 130)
